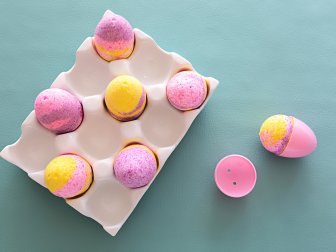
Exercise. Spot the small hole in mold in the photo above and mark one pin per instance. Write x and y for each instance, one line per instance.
(228, 170)
(234, 183)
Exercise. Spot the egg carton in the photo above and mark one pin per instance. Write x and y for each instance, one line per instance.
(100, 137)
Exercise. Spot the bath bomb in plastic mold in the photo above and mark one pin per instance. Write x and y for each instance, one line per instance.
(114, 37)
(287, 136)
(58, 110)
(68, 176)
(186, 90)
(135, 166)
(125, 98)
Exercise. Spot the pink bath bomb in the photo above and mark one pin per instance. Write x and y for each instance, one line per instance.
(114, 37)
(186, 90)
(135, 166)
(58, 110)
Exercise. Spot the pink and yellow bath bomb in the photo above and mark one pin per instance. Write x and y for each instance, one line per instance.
(58, 110)
(68, 176)
(135, 166)
(275, 133)
(186, 90)
(125, 98)
(114, 37)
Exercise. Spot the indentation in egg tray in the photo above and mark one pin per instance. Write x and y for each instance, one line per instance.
(100, 137)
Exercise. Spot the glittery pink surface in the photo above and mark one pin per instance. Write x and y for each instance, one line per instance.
(135, 167)
(114, 33)
(58, 110)
(77, 181)
(186, 90)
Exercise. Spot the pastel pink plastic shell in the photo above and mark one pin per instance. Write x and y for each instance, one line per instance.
(302, 141)
(235, 176)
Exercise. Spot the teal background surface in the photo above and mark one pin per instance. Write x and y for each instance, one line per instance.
(270, 57)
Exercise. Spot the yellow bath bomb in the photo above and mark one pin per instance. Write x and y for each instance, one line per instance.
(125, 98)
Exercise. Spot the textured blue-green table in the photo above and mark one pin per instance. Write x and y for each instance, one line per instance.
(270, 57)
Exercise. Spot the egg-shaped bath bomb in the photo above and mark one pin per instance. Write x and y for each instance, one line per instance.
(68, 176)
(287, 136)
(186, 90)
(58, 110)
(125, 98)
(135, 166)
(114, 37)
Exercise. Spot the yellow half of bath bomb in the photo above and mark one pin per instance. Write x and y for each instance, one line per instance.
(276, 127)
(58, 172)
(123, 94)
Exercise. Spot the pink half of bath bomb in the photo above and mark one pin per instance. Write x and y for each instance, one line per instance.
(115, 35)
(58, 110)
(135, 167)
(77, 181)
(186, 90)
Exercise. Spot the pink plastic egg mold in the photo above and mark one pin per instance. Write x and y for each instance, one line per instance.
(99, 138)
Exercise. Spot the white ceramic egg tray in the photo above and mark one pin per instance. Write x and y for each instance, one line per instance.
(100, 137)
